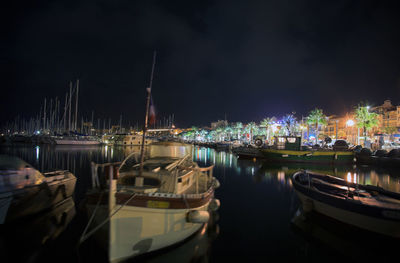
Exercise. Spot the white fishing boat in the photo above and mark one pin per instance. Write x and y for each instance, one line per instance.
(24, 191)
(144, 211)
(366, 207)
(153, 201)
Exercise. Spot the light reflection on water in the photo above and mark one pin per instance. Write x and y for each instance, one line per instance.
(251, 191)
(281, 173)
(77, 159)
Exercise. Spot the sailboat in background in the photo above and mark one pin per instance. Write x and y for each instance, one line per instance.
(74, 138)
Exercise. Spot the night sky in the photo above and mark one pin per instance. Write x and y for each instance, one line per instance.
(245, 59)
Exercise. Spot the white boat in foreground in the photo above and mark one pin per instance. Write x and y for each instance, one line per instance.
(24, 191)
(363, 206)
(145, 211)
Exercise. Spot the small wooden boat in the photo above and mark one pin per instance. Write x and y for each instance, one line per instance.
(167, 202)
(364, 206)
(24, 191)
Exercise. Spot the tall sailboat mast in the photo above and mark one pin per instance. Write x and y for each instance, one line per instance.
(76, 105)
(146, 120)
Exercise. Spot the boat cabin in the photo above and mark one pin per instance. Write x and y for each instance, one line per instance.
(288, 143)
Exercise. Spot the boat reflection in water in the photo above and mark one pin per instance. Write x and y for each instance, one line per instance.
(341, 241)
(25, 240)
(196, 248)
(365, 175)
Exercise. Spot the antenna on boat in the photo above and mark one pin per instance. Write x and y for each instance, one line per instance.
(146, 120)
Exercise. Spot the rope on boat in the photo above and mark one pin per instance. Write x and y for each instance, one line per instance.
(85, 237)
(92, 216)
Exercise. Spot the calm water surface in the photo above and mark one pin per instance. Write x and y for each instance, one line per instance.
(259, 218)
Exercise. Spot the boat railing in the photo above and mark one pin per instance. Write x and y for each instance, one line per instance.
(207, 172)
(105, 169)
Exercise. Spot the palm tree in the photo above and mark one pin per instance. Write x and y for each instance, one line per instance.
(238, 129)
(365, 119)
(219, 132)
(316, 117)
(289, 123)
(266, 123)
(228, 131)
(203, 133)
(251, 128)
(212, 135)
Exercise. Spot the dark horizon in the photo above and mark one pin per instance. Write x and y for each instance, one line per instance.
(245, 60)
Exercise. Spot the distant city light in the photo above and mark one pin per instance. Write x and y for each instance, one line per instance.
(349, 177)
(37, 152)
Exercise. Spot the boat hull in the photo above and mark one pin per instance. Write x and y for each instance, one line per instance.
(76, 142)
(34, 199)
(326, 157)
(244, 152)
(134, 231)
(370, 223)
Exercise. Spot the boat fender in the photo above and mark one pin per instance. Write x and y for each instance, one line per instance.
(308, 205)
(216, 183)
(335, 156)
(214, 205)
(285, 155)
(196, 216)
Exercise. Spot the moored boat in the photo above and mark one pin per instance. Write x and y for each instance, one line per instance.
(247, 152)
(76, 140)
(288, 149)
(24, 191)
(379, 157)
(363, 206)
(126, 140)
(144, 211)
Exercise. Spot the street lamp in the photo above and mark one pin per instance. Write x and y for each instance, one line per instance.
(350, 122)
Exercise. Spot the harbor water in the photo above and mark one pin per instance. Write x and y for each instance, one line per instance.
(259, 218)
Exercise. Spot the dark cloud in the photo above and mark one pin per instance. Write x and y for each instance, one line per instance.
(245, 59)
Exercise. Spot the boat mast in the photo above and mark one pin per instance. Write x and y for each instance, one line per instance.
(147, 114)
(76, 105)
(44, 115)
(69, 108)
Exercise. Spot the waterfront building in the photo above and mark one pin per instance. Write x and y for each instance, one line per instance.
(389, 117)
